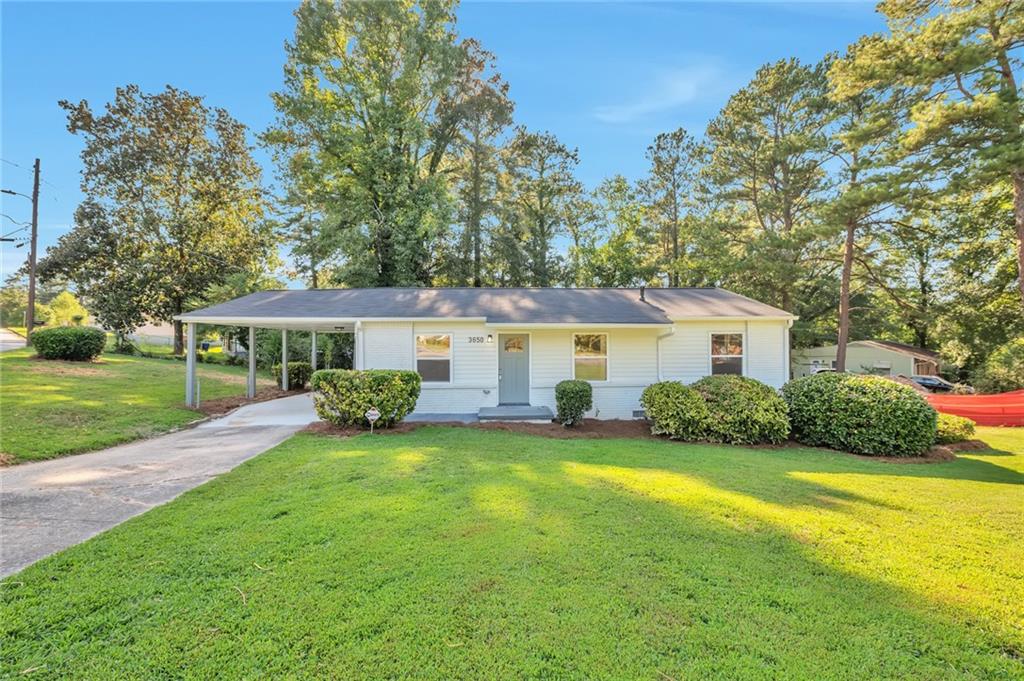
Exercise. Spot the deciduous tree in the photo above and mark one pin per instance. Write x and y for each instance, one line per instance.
(173, 205)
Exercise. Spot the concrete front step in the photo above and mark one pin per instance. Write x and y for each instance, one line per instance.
(516, 413)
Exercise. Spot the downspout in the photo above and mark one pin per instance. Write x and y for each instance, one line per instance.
(657, 348)
(357, 352)
(787, 370)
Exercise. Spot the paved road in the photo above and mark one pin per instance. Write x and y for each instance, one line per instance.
(10, 340)
(50, 505)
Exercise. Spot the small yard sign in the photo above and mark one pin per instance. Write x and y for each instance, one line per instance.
(372, 415)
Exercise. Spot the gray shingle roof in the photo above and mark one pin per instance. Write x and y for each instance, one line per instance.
(496, 305)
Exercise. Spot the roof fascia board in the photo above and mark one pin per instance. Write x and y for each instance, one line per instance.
(737, 318)
(578, 325)
(256, 321)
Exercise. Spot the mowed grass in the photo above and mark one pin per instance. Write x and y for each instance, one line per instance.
(462, 554)
(50, 408)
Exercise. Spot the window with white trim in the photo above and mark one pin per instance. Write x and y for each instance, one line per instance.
(434, 357)
(590, 356)
(726, 354)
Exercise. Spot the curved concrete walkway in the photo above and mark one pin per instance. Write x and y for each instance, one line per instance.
(50, 505)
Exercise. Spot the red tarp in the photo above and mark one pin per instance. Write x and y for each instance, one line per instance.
(1006, 409)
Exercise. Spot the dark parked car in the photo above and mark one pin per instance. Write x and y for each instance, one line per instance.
(934, 383)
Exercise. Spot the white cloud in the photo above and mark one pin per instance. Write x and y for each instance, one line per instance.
(669, 90)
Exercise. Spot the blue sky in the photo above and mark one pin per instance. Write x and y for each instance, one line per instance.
(604, 77)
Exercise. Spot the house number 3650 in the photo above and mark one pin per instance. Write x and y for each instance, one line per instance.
(476, 339)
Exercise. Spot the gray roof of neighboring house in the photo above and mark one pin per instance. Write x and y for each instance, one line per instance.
(903, 348)
(496, 305)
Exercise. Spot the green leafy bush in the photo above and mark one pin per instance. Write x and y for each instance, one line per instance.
(75, 343)
(1004, 369)
(952, 428)
(299, 374)
(860, 414)
(573, 399)
(675, 410)
(743, 411)
(343, 396)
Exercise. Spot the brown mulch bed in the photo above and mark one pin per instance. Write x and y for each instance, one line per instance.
(589, 429)
(223, 405)
(594, 429)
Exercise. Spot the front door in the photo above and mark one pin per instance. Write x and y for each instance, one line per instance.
(513, 368)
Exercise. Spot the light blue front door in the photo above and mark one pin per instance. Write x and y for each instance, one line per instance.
(513, 368)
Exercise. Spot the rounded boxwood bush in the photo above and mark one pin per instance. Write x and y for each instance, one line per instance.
(75, 343)
(675, 410)
(343, 396)
(952, 428)
(743, 411)
(860, 414)
(573, 399)
(299, 374)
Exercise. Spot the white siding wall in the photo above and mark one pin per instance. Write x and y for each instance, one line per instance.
(632, 366)
(474, 365)
(632, 353)
(686, 355)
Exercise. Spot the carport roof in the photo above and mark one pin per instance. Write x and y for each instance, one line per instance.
(525, 306)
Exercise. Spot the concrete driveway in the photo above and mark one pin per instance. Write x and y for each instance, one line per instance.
(10, 340)
(50, 505)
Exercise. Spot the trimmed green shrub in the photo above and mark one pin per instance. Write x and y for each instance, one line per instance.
(573, 399)
(675, 410)
(860, 414)
(75, 343)
(298, 374)
(743, 411)
(343, 396)
(954, 428)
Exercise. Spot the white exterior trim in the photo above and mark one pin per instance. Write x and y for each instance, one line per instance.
(742, 334)
(607, 355)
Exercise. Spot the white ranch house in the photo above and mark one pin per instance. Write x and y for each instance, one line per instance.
(498, 353)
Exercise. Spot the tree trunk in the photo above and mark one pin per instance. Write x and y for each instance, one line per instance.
(844, 296)
(179, 337)
(1018, 219)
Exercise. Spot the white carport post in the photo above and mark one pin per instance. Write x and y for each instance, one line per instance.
(250, 385)
(190, 364)
(312, 350)
(284, 359)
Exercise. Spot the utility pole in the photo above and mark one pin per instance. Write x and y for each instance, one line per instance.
(30, 313)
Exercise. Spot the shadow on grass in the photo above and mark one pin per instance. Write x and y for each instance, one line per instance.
(456, 554)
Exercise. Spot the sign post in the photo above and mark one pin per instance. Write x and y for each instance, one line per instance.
(372, 415)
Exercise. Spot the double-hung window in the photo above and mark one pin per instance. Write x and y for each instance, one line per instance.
(590, 356)
(726, 353)
(434, 357)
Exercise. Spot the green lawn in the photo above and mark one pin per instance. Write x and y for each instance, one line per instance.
(455, 553)
(50, 408)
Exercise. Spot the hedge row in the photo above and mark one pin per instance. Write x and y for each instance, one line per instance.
(732, 409)
(75, 343)
(344, 396)
(854, 413)
(299, 374)
(860, 414)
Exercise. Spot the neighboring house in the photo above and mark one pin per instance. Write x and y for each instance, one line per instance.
(153, 333)
(884, 358)
(482, 348)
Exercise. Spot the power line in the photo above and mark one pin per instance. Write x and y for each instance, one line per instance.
(17, 230)
(29, 170)
(17, 222)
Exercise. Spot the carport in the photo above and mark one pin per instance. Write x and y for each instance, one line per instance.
(234, 317)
